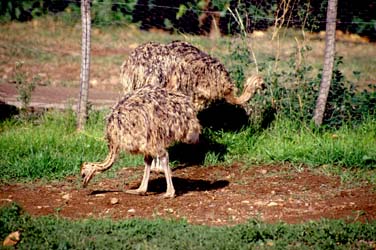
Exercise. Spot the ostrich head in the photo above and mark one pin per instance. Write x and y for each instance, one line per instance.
(256, 82)
(88, 171)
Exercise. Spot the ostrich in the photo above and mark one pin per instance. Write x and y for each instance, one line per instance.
(147, 121)
(179, 66)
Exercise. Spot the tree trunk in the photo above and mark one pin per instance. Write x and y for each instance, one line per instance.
(82, 111)
(328, 62)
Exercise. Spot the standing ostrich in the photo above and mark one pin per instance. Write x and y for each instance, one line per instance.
(147, 121)
(179, 66)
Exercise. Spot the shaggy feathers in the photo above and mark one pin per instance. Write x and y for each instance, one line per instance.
(179, 66)
(147, 121)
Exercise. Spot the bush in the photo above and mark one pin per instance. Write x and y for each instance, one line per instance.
(25, 10)
(110, 12)
(292, 94)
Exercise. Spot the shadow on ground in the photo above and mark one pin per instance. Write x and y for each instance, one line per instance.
(181, 185)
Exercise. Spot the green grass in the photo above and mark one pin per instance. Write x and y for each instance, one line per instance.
(348, 152)
(51, 148)
(294, 142)
(57, 233)
(297, 143)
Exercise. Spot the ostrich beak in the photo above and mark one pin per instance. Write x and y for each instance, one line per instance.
(87, 173)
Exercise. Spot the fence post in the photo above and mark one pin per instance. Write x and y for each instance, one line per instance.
(82, 109)
(327, 71)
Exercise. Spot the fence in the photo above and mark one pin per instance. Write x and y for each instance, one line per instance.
(200, 17)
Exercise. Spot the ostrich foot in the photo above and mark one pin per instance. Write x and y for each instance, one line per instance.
(170, 194)
(136, 191)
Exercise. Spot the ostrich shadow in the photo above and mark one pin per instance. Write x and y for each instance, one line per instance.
(181, 185)
(184, 155)
(184, 185)
(226, 117)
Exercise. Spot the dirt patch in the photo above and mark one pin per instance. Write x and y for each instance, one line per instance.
(58, 97)
(214, 195)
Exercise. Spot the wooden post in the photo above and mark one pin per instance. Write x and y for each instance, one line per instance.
(327, 72)
(82, 110)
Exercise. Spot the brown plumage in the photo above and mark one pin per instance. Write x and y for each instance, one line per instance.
(179, 66)
(147, 121)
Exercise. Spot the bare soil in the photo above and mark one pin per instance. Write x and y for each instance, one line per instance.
(216, 195)
(58, 97)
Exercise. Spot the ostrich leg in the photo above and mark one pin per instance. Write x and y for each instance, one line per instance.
(170, 193)
(145, 179)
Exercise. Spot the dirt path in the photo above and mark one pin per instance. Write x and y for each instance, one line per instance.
(57, 97)
(205, 195)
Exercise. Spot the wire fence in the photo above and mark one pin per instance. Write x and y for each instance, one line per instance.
(198, 17)
(122, 16)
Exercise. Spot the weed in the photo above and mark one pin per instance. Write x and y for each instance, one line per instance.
(24, 86)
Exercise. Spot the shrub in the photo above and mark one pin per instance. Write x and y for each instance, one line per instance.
(292, 93)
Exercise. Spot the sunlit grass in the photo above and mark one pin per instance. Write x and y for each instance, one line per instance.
(51, 148)
(295, 142)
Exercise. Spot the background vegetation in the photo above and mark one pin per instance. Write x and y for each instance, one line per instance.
(196, 16)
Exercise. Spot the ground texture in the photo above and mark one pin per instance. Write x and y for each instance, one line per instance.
(217, 195)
